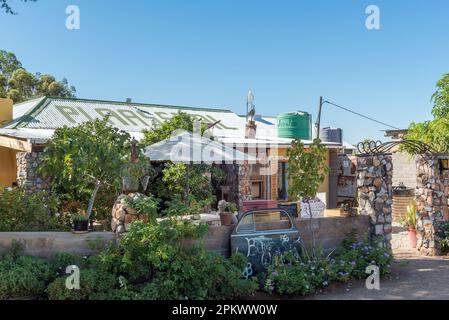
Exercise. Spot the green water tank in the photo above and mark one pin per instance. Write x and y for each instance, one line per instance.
(295, 125)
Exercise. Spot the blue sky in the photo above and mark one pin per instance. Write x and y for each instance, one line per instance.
(208, 53)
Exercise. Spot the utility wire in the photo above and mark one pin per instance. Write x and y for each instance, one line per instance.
(360, 115)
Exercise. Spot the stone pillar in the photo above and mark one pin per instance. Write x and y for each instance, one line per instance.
(244, 183)
(375, 193)
(431, 200)
(27, 174)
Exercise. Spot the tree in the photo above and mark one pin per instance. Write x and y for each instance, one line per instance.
(162, 131)
(83, 159)
(441, 98)
(307, 170)
(4, 4)
(434, 132)
(20, 85)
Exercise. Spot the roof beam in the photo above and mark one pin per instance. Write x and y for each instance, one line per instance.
(16, 144)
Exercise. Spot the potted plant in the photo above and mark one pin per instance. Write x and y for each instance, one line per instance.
(410, 220)
(226, 211)
(80, 223)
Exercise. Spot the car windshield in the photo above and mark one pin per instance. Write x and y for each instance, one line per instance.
(272, 220)
(264, 221)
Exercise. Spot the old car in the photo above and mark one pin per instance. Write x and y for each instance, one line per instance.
(261, 234)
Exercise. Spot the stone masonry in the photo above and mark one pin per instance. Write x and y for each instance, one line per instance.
(27, 174)
(375, 193)
(244, 181)
(431, 199)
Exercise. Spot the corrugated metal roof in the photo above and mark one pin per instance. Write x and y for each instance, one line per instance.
(50, 113)
(36, 120)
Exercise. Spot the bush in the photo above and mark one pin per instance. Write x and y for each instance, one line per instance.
(22, 211)
(443, 235)
(198, 275)
(158, 257)
(352, 259)
(290, 274)
(148, 248)
(92, 284)
(154, 261)
(23, 276)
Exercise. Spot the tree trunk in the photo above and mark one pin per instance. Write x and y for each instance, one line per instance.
(92, 199)
(311, 226)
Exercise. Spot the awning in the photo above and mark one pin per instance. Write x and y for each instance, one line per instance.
(193, 148)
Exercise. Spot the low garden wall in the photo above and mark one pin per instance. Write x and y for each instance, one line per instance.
(329, 233)
(47, 244)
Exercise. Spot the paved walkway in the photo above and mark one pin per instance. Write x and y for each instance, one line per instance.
(412, 277)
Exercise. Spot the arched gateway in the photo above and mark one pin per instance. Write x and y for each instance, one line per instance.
(375, 190)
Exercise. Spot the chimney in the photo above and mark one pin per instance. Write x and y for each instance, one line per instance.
(6, 114)
(250, 129)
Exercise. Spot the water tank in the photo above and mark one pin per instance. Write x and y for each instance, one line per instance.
(331, 135)
(295, 125)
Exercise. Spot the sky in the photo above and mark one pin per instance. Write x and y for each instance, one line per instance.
(206, 53)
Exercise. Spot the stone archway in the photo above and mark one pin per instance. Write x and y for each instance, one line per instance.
(375, 194)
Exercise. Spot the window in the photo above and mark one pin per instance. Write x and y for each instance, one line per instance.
(246, 224)
(272, 220)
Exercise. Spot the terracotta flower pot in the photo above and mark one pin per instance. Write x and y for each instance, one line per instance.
(226, 218)
(412, 237)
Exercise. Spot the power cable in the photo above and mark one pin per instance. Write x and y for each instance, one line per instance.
(360, 115)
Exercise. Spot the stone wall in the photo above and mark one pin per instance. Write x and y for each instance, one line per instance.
(375, 193)
(27, 175)
(431, 199)
(244, 183)
(237, 187)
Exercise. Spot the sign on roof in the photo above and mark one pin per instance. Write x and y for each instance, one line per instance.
(55, 113)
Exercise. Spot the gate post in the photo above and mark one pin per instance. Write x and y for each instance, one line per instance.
(375, 194)
(431, 201)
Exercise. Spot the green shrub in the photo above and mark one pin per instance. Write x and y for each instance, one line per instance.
(154, 261)
(157, 258)
(92, 283)
(200, 274)
(352, 259)
(22, 211)
(23, 276)
(289, 274)
(148, 248)
(143, 205)
(443, 235)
